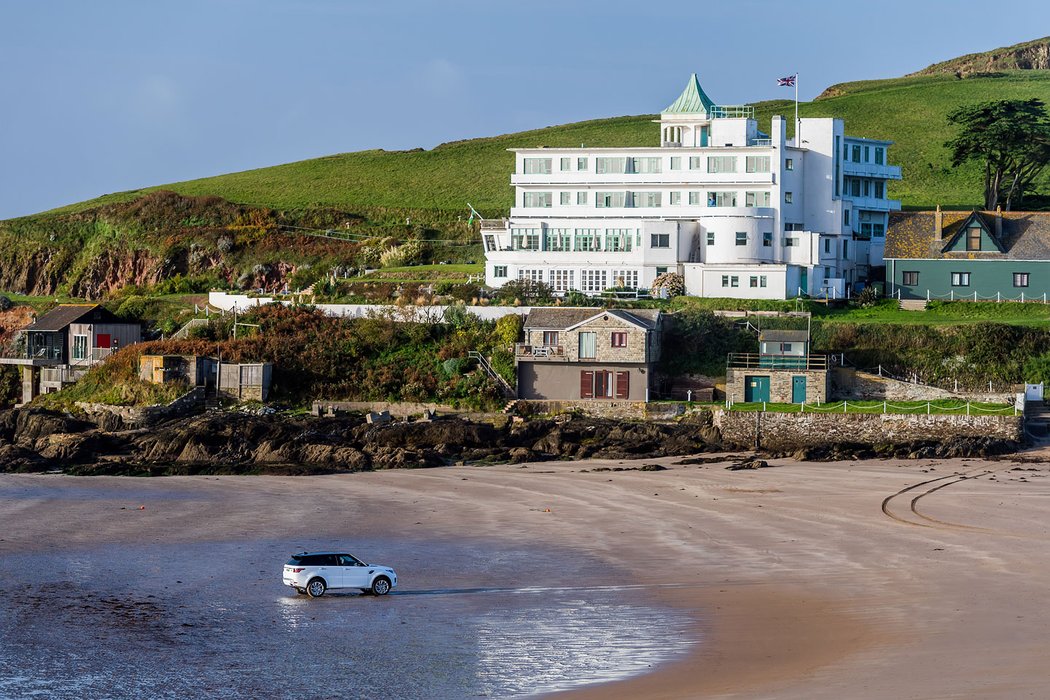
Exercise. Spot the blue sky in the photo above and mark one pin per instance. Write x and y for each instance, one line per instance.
(109, 95)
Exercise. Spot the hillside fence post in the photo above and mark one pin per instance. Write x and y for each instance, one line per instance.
(1022, 297)
(998, 297)
(763, 406)
(956, 386)
(880, 370)
(989, 387)
(967, 408)
(975, 295)
(927, 408)
(927, 295)
(952, 295)
(844, 404)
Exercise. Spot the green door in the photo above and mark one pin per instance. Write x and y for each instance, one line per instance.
(804, 281)
(798, 390)
(756, 389)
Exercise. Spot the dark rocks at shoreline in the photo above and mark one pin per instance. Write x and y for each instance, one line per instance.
(957, 447)
(234, 442)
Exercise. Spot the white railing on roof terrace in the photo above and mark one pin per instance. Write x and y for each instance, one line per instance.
(732, 111)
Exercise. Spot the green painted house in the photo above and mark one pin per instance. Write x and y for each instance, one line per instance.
(977, 255)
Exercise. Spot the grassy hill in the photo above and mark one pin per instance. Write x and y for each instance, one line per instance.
(238, 228)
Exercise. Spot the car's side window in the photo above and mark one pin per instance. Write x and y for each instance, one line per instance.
(330, 560)
(347, 560)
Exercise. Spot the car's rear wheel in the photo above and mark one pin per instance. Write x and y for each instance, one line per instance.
(381, 586)
(316, 588)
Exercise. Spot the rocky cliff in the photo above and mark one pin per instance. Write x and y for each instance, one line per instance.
(1030, 55)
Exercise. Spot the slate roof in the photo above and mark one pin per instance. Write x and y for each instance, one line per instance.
(778, 336)
(561, 318)
(61, 316)
(693, 100)
(912, 235)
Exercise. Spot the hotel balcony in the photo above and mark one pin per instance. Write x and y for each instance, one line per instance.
(888, 172)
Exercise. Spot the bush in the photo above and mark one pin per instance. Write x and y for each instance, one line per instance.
(508, 329)
(668, 285)
(697, 342)
(5, 303)
(868, 297)
(525, 291)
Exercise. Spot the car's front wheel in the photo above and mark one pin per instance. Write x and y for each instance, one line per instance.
(381, 586)
(316, 588)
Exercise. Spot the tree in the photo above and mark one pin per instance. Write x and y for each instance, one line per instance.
(1011, 138)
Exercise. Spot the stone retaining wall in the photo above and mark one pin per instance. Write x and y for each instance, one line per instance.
(623, 410)
(848, 383)
(397, 410)
(142, 416)
(790, 431)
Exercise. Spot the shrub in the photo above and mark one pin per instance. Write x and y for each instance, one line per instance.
(508, 329)
(5, 303)
(668, 285)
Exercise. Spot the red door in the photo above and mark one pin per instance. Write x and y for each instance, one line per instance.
(103, 340)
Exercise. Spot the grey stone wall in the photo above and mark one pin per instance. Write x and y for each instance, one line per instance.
(790, 431)
(142, 416)
(852, 384)
(398, 410)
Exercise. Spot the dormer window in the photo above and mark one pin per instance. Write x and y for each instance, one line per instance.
(973, 238)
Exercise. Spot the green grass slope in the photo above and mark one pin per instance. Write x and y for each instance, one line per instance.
(910, 111)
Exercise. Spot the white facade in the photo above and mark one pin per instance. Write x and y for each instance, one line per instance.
(743, 214)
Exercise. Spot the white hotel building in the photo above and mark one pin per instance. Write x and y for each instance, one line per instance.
(737, 212)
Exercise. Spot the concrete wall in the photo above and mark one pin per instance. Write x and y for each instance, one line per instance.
(559, 381)
(790, 431)
(780, 382)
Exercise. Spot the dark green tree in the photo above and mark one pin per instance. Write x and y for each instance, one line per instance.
(1011, 138)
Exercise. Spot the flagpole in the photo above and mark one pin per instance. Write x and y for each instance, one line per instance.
(798, 137)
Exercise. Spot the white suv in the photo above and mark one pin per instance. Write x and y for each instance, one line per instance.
(315, 572)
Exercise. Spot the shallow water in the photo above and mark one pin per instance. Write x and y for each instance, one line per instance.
(213, 619)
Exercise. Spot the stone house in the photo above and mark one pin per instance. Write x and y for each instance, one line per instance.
(588, 354)
(783, 371)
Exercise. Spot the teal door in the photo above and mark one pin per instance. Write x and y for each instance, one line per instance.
(756, 389)
(798, 390)
(705, 132)
(804, 281)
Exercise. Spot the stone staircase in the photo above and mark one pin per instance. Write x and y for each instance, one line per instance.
(912, 304)
(1037, 419)
(510, 407)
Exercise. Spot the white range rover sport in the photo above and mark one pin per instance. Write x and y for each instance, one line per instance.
(313, 573)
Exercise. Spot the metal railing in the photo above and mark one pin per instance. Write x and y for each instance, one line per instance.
(506, 388)
(750, 360)
(543, 351)
(732, 111)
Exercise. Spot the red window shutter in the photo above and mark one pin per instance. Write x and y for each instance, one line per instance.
(586, 385)
(623, 385)
(103, 340)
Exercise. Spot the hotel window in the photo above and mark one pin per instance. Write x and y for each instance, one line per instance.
(827, 245)
(694, 197)
(587, 239)
(756, 164)
(566, 198)
(557, 239)
(643, 165)
(610, 165)
(646, 199)
(909, 279)
(566, 164)
(581, 197)
(592, 281)
(856, 154)
(725, 280)
(490, 243)
(854, 187)
(756, 199)
(767, 239)
(878, 230)
(721, 164)
(880, 154)
(867, 154)
(761, 280)
(880, 189)
(499, 271)
(659, 240)
(845, 217)
(721, 199)
(531, 275)
(581, 164)
(560, 281)
(960, 279)
(741, 237)
(734, 281)
(794, 227)
(845, 150)
(867, 188)
(710, 238)
(973, 238)
(660, 271)
(790, 242)
(537, 166)
(617, 239)
(788, 198)
(845, 250)
(525, 239)
(696, 162)
(789, 164)
(676, 199)
(541, 200)
(753, 282)
(676, 162)
(618, 339)
(625, 279)
(1020, 279)
(607, 200)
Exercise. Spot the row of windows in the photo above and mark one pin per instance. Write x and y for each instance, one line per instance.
(623, 165)
(564, 280)
(617, 339)
(639, 200)
(960, 279)
(581, 239)
(755, 282)
(862, 153)
(863, 187)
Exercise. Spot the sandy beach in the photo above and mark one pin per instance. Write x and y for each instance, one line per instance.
(911, 579)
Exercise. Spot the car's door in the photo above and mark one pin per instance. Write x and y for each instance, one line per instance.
(327, 569)
(354, 572)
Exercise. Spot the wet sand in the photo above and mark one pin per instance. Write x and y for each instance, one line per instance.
(796, 581)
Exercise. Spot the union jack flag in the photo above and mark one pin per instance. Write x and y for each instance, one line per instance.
(786, 82)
